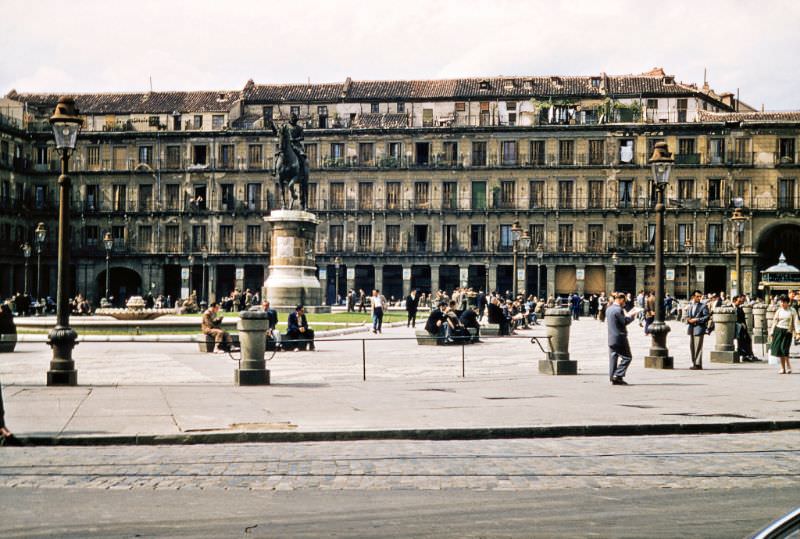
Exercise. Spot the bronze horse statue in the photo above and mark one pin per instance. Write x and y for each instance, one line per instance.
(291, 169)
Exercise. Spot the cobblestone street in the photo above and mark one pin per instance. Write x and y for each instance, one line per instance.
(689, 486)
(684, 462)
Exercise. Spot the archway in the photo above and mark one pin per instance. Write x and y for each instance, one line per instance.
(123, 283)
(774, 240)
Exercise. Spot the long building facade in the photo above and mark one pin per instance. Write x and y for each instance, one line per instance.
(416, 184)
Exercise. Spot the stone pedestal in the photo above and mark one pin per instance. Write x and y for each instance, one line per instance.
(659, 357)
(292, 271)
(724, 321)
(558, 322)
(759, 323)
(252, 326)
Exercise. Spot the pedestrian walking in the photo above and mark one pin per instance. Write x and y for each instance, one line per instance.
(744, 345)
(378, 303)
(619, 349)
(362, 301)
(696, 326)
(784, 324)
(412, 304)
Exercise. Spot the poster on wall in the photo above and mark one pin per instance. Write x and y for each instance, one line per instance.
(700, 276)
(670, 274)
(351, 273)
(406, 274)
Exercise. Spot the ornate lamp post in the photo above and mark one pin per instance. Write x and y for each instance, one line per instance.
(525, 243)
(337, 263)
(66, 125)
(41, 235)
(204, 254)
(190, 258)
(539, 258)
(659, 358)
(108, 244)
(26, 252)
(516, 234)
(738, 219)
(689, 251)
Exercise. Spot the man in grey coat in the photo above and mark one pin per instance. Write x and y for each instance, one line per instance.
(696, 325)
(619, 349)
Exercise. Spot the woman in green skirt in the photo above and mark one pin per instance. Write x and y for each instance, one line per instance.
(784, 326)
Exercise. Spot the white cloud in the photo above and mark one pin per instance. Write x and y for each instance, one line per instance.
(206, 44)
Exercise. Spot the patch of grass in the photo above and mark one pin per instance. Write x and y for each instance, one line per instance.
(176, 331)
(315, 318)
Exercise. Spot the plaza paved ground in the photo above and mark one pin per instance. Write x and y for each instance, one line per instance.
(417, 477)
(129, 389)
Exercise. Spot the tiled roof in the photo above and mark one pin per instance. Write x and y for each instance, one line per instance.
(275, 93)
(787, 116)
(378, 121)
(654, 82)
(140, 102)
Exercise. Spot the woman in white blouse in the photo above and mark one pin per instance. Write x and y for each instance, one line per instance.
(784, 325)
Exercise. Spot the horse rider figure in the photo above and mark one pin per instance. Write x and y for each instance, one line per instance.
(284, 169)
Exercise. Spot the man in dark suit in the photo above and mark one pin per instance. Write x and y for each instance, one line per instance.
(412, 304)
(469, 319)
(437, 321)
(272, 321)
(495, 315)
(696, 326)
(298, 330)
(744, 345)
(619, 349)
(480, 301)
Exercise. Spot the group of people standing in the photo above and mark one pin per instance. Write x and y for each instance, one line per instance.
(783, 329)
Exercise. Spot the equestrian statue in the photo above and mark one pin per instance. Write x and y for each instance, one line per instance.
(291, 165)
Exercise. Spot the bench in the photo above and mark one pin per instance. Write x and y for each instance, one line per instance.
(426, 339)
(285, 343)
(8, 342)
(207, 344)
(490, 329)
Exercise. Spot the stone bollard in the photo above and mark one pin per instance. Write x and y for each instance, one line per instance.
(724, 322)
(252, 328)
(557, 322)
(771, 308)
(748, 317)
(759, 323)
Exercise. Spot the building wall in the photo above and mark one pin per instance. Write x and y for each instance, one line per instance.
(609, 243)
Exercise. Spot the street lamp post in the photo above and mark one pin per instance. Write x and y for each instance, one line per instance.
(659, 358)
(66, 125)
(337, 263)
(41, 235)
(26, 252)
(108, 244)
(525, 243)
(204, 254)
(516, 234)
(738, 219)
(190, 258)
(539, 258)
(689, 251)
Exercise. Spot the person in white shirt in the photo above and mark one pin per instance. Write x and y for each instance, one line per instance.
(378, 304)
(784, 324)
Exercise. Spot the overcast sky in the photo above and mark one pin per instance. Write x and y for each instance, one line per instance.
(109, 46)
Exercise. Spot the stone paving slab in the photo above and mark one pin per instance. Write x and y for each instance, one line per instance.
(169, 389)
